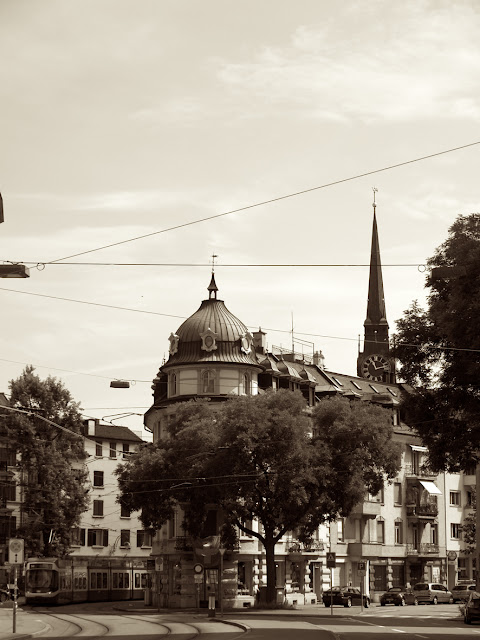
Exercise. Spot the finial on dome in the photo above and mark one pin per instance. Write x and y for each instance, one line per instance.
(374, 205)
(212, 287)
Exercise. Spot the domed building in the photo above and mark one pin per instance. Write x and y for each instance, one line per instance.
(211, 355)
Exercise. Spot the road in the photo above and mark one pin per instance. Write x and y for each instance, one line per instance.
(119, 622)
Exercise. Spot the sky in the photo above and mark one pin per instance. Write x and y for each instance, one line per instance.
(157, 118)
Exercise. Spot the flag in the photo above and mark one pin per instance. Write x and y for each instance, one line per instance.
(1, 208)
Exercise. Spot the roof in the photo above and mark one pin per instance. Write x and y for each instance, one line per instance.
(229, 339)
(4, 400)
(114, 432)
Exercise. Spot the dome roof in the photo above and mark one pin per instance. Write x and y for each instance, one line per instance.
(212, 334)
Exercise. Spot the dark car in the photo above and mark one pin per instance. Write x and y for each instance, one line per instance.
(345, 596)
(472, 608)
(4, 595)
(398, 597)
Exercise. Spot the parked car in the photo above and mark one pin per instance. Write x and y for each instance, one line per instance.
(472, 608)
(432, 592)
(346, 596)
(461, 592)
(398, 597)
(4, 595)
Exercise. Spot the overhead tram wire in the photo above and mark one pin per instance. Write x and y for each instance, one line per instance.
(265, 202)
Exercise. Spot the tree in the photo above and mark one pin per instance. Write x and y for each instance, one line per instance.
(51, 461)
(469, 526)
(263, 458)
(439, 351)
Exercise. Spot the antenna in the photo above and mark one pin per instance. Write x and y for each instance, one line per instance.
(213, 262)
(374, 205)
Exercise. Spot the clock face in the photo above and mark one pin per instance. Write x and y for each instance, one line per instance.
(374, 367)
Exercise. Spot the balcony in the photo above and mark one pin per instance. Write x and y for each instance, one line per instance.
(424, 549)
(294, 546)
(367, 509)
(419, 471)
(422, 511)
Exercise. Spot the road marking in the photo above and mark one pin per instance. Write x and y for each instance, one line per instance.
(398, 630)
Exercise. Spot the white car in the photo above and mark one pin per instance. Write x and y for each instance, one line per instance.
(432, 592)
(461, 592)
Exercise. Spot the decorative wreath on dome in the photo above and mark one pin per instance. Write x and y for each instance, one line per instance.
(173, 339)
(246, 342)
(209, 340)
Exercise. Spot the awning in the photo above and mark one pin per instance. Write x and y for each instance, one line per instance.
(414, 447)
(431, 487)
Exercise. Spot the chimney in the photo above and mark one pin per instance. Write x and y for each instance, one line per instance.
(319, 360)
(259, 341)
(91, 427)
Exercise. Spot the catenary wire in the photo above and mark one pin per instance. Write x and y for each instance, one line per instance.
(270, 201)
(157, 313)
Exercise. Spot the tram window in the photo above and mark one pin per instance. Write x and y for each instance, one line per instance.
(120, 580)
(115, 581)
(144, 580)
(127, 581)
(104, 580)
(137, 581)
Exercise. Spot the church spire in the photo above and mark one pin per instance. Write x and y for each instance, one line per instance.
(376, 313)
(212, 287)
(374, 362)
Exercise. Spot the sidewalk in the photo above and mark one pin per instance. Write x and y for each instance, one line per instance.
(27, 625)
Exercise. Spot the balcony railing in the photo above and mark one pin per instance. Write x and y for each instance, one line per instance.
(423, 510)
(423, 549)
(418, 471)
(304, 547)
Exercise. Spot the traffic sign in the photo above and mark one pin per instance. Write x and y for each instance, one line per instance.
(198, 569)
(331, 560)
(15, 550)
(361, 566)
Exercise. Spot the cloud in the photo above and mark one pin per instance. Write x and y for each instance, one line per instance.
(374, 61)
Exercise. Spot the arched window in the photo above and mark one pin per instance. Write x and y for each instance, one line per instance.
(208, 381)
(173, 384)
(247, 384)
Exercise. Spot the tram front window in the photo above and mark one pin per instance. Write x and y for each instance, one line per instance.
(42, 580)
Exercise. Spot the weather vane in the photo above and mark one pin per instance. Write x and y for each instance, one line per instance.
(213, 262)
(374, 189)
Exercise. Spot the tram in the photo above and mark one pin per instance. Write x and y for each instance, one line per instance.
(51, 581)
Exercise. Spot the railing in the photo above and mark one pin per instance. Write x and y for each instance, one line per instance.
(298, 547)
(430, 510)
(418, 471)
(424, 549)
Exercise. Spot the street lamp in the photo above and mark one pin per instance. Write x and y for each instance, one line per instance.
(14, 271)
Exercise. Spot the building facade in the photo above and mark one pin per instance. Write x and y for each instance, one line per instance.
(409, 532)
(107, 532)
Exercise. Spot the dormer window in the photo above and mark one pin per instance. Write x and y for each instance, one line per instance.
(209, 340)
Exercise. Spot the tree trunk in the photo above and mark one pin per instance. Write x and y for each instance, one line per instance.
(271, 572)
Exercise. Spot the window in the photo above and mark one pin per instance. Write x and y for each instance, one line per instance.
(340, 384)
(173, 384)
(469, 499)
(113, 449)
(97, 538)
(380, 531)
(455, 498)
(341, 530)
(125, 538)
(378, 497)
(98, 478)
(98, 448)
(394, 393)
(208, 381)
(8, 524)
(374, 388)
(78, 537)
(124, 512)
(356, 385)
(455, 531)
(8, 456)
(98, 508)
(144, 539)
(397, 493)
(125, 449)
(7, 491)
(433, 533)
(247, 384)
(398, 532)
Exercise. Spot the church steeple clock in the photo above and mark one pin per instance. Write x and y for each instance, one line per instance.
(374, 363)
